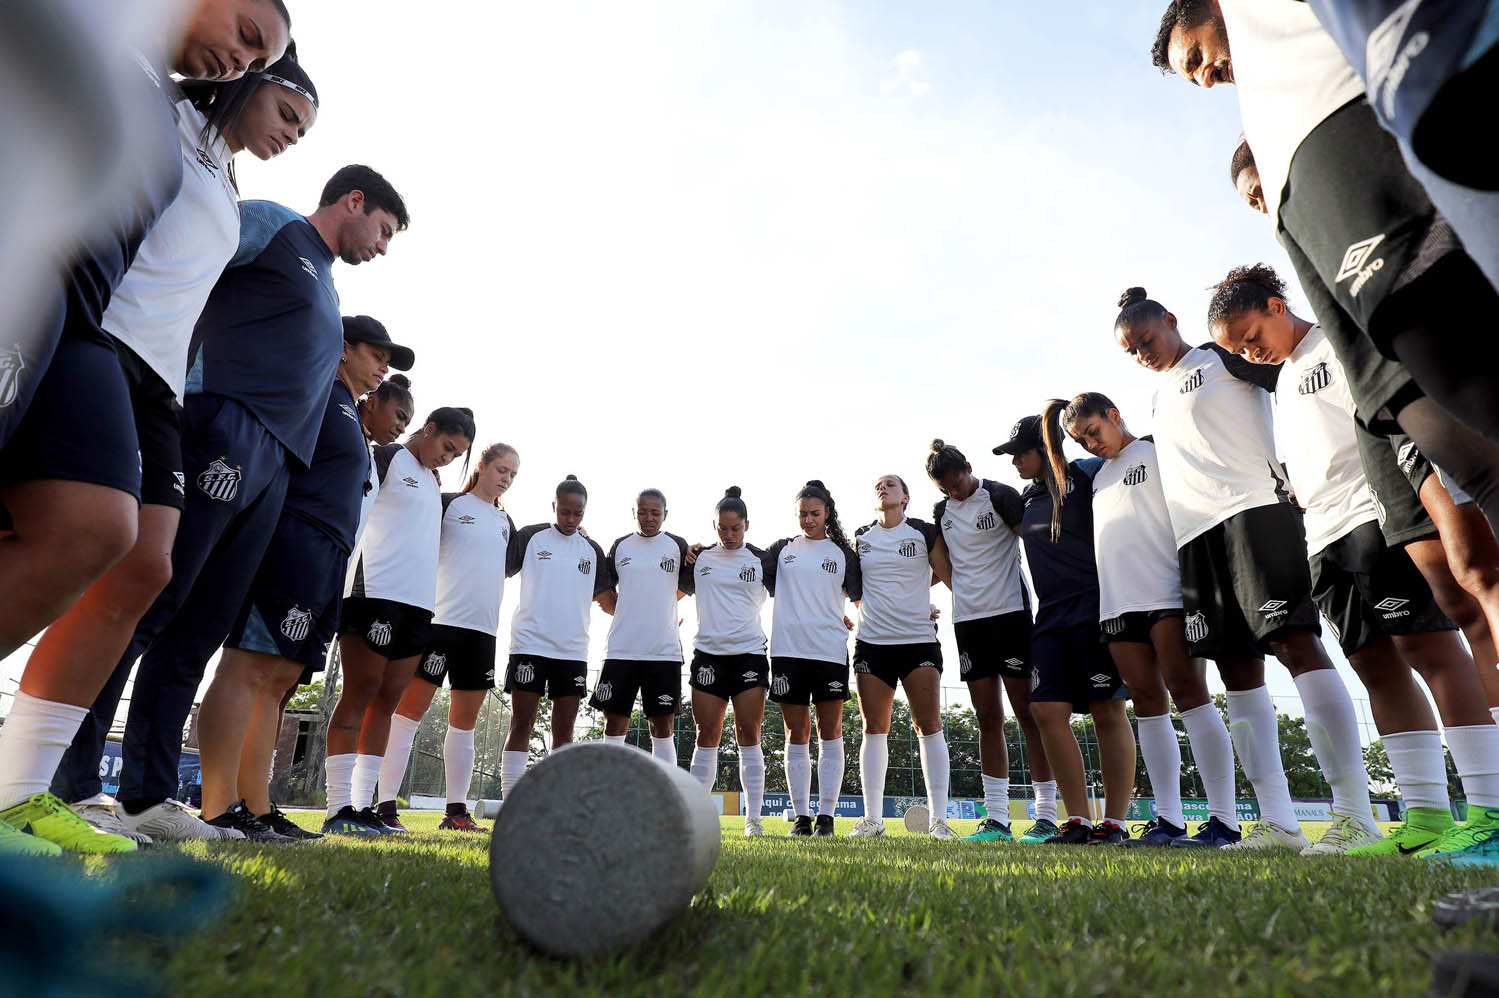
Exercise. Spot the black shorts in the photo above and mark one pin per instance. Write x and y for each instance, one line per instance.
(892, 663)
(1396, 492)
(1071, 665)
(292, 609)
(465, 656)
(546, 677)
(727, 676)
(658, 683)
(1367, 589)
(1245, 583)
(1134, 627)
(994, 646)
(158, 428)
(803, 681)
(395, 630)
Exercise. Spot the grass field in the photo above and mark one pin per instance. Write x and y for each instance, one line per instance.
(415, 915)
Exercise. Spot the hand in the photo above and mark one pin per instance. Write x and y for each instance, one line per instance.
(935, 612)
(692, 553)
(848, 623)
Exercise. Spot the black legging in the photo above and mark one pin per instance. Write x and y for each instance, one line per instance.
(1471, 459)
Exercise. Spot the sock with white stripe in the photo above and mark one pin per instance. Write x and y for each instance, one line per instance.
(1046, 800)
(829, 775)
(665, 749)
(1213, 752)
(458, 763)
(33, 739)
(1332, 727)
(340, 774)
(512, 768)
(874, 762)
(799, 777)
(705, 765)
(997, 797)
(1475, 753)
(397, 755)
(935, 771)
(752, 778)
(1163, 764)
(366, 774)
(1256, 738)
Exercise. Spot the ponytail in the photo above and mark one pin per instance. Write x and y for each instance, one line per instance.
(490, 453)
(814, 489)
(1054, 468)
(944, 459)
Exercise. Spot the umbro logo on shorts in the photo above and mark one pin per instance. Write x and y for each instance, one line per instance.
(986, 522)
(1356, 261)
(1391, 607)
(705, 675)
(296, 624)
(220, 481)
(543, 556)
(665, 699)
(411, 483)
(1136, 475)
(489, 675)
(748, 574)
(1193, 382)
(835, 686)
(927, 665)
(1099, 679)
(830, 566)
(1014, 663)
(909, 549)
(780, 686)
(1196, 626)
(584, 564)
(348, 410)
(624, 561)
(580, 682)
(668, 564)
(525, 673)
(308, 266)
(179, 483)
(1273, 608)
(379, 634)
(465, 519)
(603, 692)
(750, 677)
(435, 663)
(965, 664)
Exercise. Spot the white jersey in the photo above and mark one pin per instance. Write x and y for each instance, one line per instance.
(398, 553)
(984, 551)
(809, 580)
(1133, 542)
(1290, 76)
(648, 571)
(471, 571)
(1314, 425)
(158, 302)
(560, 575)
(1215, 441)
(730, 592)
(896, 571)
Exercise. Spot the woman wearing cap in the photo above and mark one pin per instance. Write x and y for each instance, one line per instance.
(562, 573)
(1140, 615)
(980, 523)
(899, 560)
(809, 649)
(1073, 671)
(470, 586)
(728, 655)
(1246, 587)
(289, 617)
(149, 323)
(385, 622)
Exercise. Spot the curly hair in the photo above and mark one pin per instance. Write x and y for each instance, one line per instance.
(1245, 289)
(1179, 14)
(814, 489)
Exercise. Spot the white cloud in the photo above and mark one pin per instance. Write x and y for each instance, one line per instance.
(907, 81)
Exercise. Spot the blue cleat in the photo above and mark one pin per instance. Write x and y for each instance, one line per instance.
(1156, 832)
(1211, 834)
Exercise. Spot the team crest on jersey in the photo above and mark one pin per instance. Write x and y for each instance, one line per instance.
(986, 521)
(1136, 475)
(780, 686)
(1314, 380)
(296, 624)
(965, 664)
(861, 667)
(435, 664)
(1196, 626)
(624, 561)
(830, 566)
(1193, 382)
(584, 564)
(308, 266)
(348, 410)
(668, 564)
(11, 366)
(379, 634)
(1114, 626)
(748, 574)
(465, 519)
(411, 483)
(525, 672)
(705, 675)
(909, 549)
(603, 692)
(220, 481)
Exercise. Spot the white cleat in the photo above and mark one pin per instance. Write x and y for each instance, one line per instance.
(939, 830)
(1265, 835)
(1346, 833)
(171, 821)
(753, 827)
(867, 828)
(103, 812)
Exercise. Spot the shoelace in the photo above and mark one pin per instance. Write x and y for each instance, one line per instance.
(1141, 831)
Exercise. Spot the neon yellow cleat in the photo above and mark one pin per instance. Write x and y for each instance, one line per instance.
(14, 842)
(48, 818)
(1422, 827)
(1478, 837)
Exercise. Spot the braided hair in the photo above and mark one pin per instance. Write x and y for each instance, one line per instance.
(814, 489)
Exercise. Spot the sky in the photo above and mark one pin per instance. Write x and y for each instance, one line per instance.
(694, 244)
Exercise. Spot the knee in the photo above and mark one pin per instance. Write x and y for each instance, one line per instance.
(90, 544)
(1046, 713)
(928, 725)
(709, 739)
(1476, 577)
(746, 734)
(989, 718)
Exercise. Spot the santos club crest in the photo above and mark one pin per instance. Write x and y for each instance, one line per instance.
(220, 481)
(604, 692)
(296, 624)
(379, 634)
(965, 664)
(584, 564)
(1197, 626)
(525, 672)
(11, 365)
(435, 664)
(705, 675)
(780, 686)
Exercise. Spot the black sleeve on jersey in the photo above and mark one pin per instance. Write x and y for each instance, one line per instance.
(939, 510)
(604, 578)
(1260, 375)
(757, 552)
(1006, 502)
(511, 521)
(1088, 467)
(447, 500)
(609, 561)
(515, 551)
(929, 532)
(383, 456)
(860, 532)
(853, 575)
(686, 580)
(769, 558)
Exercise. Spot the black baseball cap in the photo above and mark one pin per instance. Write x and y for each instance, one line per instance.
(363, 329)
(1024, 435)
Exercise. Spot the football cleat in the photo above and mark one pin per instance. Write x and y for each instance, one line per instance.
(46, 817)
(1211, 834)
(990, 830)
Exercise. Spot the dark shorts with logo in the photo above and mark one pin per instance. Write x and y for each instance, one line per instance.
(1367, 589)
(994, 646)
(804, 681)
(394, 630)
(1071, 665)
(1395, 489)
(293, 606)
(1135, 626)
(554, 678)
(727, 676)
(892, 663)
(465, 656)
(658, 683)
(1245, 583)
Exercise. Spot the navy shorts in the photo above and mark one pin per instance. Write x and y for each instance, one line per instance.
(1396, 469)
(803, 681)
(1135, 626)
(1071, 665)
(892, 663)
(553, 678)
(465, 656)
(727, 676)
(994, 646)
(393, 630)
(1367, 590)
(658, 683)
(293, 607)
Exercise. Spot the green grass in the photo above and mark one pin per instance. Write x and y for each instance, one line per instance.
(415, 915)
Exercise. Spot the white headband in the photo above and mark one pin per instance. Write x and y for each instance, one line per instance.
(288, 84)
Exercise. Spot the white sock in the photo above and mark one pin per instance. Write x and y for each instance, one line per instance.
(1475, 753)
(340, 770)
(1420, 770)
(1252, 724)
(799, 777)
(614, 739)
(1046, 800)
(829, 775)
(874, 763)
(934, 770)
(397, 755)
(997, 797)
(366, 774)
(752, 778)
(457, 763)
(705, 765)
(1213, 752)
(1333, 729)
(1163, 764)
(33, 739)
(665, 749)
(1085, 822)
(512, 768)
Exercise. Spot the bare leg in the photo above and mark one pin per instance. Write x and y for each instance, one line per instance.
(564, 714)
(1054, 722)
(1036, 756)
(1116, 750)
(989, 711)
(260, 739)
